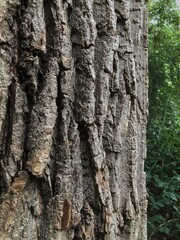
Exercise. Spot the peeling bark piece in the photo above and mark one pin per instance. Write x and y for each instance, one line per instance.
(19, 182)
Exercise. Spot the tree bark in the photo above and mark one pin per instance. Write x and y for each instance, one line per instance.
(73, 111)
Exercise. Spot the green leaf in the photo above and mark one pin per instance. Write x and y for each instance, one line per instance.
(176, 209)
(172, 196)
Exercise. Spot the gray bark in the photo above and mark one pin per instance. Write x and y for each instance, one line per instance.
(73, 109)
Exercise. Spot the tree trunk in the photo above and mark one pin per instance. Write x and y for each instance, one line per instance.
(73, 95)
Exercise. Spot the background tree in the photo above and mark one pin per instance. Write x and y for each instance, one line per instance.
(163, 166)
(73, 77)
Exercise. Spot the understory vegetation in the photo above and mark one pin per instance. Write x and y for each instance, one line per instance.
(163, 157)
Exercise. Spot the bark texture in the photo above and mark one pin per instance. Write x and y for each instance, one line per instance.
(73, 109)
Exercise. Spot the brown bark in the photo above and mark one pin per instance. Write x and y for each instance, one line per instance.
(73, 109)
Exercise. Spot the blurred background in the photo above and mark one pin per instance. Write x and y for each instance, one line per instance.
(163, 135)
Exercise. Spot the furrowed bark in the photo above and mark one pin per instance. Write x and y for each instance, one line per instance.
(73, 112)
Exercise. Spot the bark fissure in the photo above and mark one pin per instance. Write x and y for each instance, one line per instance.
(8, 122)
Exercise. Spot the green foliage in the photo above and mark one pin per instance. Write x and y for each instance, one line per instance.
(163, 158)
